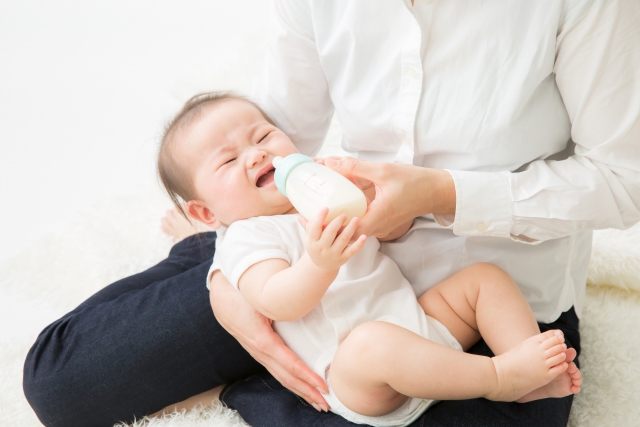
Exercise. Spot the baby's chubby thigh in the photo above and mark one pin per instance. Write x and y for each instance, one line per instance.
(361, 365)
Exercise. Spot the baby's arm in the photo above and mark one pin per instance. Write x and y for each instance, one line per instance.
(286, 293)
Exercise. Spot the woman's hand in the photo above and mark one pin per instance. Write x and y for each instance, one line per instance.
(402, 192)
(254, 332)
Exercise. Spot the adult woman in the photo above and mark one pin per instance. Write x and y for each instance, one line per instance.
(485, 90)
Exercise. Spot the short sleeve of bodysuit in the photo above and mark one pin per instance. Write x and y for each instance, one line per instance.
(245, 243)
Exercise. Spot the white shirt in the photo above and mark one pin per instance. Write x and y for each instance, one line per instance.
(490, 91)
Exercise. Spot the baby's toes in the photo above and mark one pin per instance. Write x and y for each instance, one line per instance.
(573, 370)
(556, 370)
(551, 339)
(549, 334)
(575, 385)
(575, 374)
(555, 350)
(556, 359)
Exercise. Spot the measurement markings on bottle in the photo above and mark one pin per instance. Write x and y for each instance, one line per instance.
(315, 184)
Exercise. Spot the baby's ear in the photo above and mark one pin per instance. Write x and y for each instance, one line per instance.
(200, 212)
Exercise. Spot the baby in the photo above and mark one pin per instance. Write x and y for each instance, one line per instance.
(345, 308)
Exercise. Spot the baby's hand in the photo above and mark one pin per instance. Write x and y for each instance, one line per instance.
(327, 248)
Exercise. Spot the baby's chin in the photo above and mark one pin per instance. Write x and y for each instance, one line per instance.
(280, 210)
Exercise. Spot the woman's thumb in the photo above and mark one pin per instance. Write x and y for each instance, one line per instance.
(358, 171)
(355, 170)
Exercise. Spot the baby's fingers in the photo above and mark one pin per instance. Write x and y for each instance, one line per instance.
(331, 230)
(345, 236)
(303, 222)
(314, 227)
(355, 247)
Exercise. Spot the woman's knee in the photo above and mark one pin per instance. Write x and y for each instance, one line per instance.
(46, 386)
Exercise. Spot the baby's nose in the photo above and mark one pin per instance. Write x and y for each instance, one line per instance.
(256, 156)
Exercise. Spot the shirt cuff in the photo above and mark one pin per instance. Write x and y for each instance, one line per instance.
(483, 205)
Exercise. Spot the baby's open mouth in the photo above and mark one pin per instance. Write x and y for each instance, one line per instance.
(267, 178)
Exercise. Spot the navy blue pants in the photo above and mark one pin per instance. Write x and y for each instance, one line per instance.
(151, 340)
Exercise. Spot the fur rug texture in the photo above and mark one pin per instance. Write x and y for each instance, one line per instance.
(122, 237)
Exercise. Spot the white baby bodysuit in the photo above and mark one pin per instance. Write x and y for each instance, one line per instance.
(368, 287)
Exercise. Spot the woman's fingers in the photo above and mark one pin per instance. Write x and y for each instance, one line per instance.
(300, 388)
(255, 334)
(284, 365)
(374, 220)
(362, 183)
(290, 371)
(402, 192)
(365, 172)
(366, 175)
(321, 160)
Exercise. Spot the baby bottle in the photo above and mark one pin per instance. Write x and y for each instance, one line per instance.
(311, 186)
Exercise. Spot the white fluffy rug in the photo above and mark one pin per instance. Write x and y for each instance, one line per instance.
(122, 237)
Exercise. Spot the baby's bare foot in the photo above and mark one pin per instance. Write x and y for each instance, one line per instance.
(532, 364)
(566, 383)
(179, 228)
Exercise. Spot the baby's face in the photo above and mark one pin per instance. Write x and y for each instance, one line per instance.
(230, 150)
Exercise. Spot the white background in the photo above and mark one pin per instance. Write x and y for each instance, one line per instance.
(86, 87)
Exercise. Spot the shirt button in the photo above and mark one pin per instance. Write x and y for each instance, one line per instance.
(481, 227)
(413, 72)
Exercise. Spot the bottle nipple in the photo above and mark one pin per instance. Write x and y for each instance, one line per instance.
(276, 161)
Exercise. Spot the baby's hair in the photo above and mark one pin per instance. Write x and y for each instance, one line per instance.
(173, 173)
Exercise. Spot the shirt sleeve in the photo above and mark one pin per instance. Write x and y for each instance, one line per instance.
(246, 243)
(291, 85)
(597, 72)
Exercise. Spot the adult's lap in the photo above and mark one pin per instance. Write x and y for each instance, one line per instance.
(263, 402)
(138, 345)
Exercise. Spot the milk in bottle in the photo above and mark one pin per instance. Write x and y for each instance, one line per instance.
(311, 186)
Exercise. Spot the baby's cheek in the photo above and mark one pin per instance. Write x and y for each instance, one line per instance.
(234, 204)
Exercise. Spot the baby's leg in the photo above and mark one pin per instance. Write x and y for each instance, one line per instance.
(483, 300)
(379, 364)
